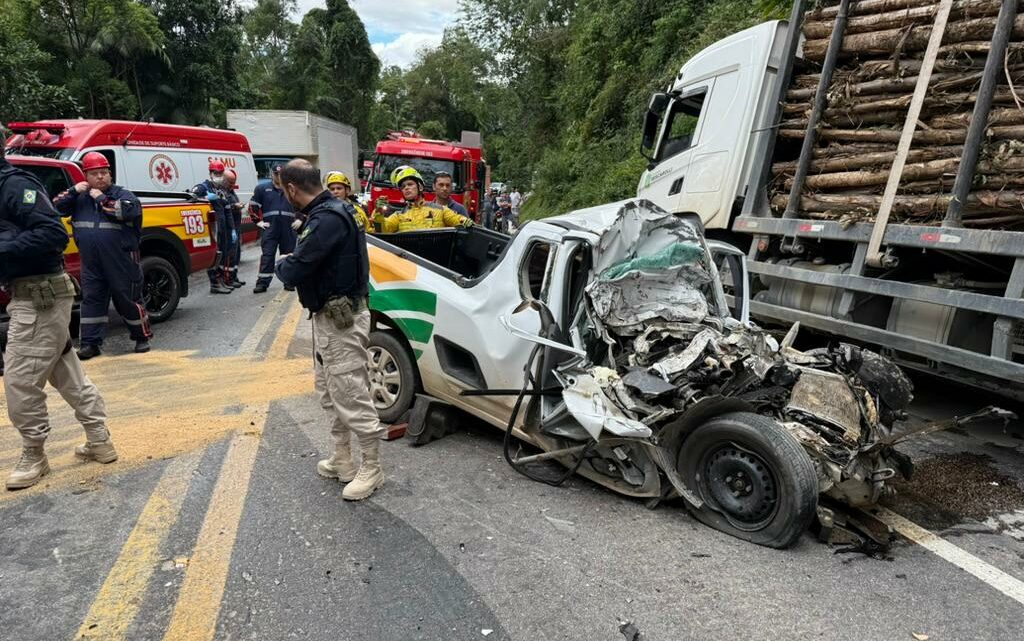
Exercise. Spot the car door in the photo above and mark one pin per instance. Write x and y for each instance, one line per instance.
(473, 350)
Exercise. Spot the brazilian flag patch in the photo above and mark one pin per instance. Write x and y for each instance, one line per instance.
(29, 197)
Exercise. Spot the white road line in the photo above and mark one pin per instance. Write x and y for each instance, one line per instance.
(993, 576)
(262, 325)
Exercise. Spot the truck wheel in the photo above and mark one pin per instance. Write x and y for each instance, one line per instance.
(757, 482)
(393, 376)
(161, 288)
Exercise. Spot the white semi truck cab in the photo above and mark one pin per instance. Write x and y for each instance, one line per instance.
(935, 293)
(704, 136)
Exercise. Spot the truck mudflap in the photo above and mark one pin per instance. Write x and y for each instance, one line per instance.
(659, 348)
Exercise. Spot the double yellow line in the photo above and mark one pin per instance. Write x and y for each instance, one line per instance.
(199, 600)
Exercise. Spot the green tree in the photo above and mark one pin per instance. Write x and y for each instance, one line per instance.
(392, 109)
(99, 45)
(331, 68)
(268, 32)
(24, 95)
(203, 45)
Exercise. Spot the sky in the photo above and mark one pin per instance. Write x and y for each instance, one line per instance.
(399, 29)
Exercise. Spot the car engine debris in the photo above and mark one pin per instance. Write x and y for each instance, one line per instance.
(660, 342)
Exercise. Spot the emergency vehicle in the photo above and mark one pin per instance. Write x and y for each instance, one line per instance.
(176, 239)
(143, 156)
(464, 161)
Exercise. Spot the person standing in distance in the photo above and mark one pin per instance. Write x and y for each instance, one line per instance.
(107, 223)
(32, 242)
(443, 187)
(214, 190)
(275, 216)
(330, 269)
(235, 206)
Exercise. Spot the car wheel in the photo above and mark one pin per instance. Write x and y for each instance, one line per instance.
(757, 482)
(393, 376)
(161, 288)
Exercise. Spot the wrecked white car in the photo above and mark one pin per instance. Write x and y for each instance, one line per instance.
(604, 337)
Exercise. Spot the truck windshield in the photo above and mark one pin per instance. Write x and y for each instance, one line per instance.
(428, 168)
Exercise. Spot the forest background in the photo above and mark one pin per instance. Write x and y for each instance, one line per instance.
(556, 87)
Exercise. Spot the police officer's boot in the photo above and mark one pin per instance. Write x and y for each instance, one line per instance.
(30, 468)
(339, 466)
(369, 477)
(217, 286)
(85, 352)
(99, 451)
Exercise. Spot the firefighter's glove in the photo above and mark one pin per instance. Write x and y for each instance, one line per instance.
(296, 224)
(466, 223)
(263, 225)
(339, 310)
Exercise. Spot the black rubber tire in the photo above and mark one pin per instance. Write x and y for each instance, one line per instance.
(404, 366)
(785, 497)
(161, 288)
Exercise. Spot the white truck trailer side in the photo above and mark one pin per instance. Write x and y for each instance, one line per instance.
(328, 144)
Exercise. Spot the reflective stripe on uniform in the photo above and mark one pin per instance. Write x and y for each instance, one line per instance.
(286, 214)
(133, 322)
(270, 275)
(86, 224)
(90, 320)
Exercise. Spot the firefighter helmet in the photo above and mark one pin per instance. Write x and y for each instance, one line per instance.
(95, 160)
(216, 166)
(405, 173)
(338, 177)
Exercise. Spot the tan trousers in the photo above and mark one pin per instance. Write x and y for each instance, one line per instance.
(36, 341)
(342, 381)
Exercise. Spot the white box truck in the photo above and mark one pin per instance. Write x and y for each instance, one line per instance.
(278, 135)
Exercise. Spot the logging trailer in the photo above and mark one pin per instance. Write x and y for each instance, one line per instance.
(828, 147)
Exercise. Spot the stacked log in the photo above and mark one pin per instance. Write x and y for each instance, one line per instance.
(868, 99)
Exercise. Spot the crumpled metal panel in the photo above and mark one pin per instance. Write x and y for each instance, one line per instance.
(596, 412)
(827, 397)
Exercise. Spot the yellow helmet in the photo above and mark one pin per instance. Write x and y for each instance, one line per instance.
(338, 177)
(405, 173)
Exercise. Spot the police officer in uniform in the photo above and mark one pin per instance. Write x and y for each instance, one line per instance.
(419, 213)
(331, 271)
(32, 242)
(277, 219)
(214, 190)
(107, 223)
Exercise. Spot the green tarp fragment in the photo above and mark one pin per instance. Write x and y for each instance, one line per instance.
(675, 255)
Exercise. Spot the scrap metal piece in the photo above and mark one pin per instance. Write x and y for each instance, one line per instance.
(646, 384)
(827, 397)
(596, 412)
(685, 359)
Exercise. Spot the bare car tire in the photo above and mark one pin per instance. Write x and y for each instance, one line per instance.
(161, 288)
(757, 482)
(393, 376)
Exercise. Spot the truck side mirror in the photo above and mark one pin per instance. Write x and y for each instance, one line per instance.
(655, 110)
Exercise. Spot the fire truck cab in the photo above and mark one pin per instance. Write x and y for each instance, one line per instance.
(464, 161)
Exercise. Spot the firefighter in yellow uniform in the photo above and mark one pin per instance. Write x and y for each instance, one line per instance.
(418, 213)
(341, 188)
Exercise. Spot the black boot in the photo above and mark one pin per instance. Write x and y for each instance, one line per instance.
(218, 287)
(141, 347)
(85, 352)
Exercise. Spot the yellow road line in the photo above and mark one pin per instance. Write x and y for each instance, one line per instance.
(199, 600)
(279, 348)
(989, 574)
(120, 597)
(263, 323)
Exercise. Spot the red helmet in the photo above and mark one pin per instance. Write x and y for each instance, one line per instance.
(95, 160)
(216, 166)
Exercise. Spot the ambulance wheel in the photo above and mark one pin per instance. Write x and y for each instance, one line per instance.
(161, 289)
(756, 480)
(392, 376)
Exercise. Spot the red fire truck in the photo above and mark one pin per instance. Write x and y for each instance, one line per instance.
(463, 161)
